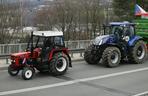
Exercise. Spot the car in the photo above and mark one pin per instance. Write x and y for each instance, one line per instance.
(45, 52)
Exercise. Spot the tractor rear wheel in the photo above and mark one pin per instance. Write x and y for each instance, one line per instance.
(111, 57)
(138, 53)
(59, 64)
(89, 57)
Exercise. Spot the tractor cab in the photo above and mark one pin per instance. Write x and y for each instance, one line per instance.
(44, 42)
(122, 30)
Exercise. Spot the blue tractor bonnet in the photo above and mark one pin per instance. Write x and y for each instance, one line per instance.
(105, 39)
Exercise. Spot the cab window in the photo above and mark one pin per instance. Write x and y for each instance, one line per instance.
(58, 41)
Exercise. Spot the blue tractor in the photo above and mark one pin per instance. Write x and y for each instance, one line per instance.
(117, 43)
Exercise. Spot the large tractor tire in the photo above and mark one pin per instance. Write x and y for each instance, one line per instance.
(138, 53)
(11, 71)
(111, 57)
(89, 57)
(59, 64)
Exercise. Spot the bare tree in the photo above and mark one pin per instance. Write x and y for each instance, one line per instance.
(78, 19)
(9, 20)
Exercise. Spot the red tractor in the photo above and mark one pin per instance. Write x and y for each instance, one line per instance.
(45, 52)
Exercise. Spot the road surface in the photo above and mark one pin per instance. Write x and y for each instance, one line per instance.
(81, 80)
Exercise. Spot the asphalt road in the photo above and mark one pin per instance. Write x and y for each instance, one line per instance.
(81, 80)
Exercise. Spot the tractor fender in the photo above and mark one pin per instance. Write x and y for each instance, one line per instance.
(133, 40)
(63, 50)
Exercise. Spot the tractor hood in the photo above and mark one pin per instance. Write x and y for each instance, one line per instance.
(21, 54)
(27, 54)
(103, 39)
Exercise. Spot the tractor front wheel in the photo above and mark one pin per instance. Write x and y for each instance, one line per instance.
(138, 53)
(89, 57)
(111, 57)
(12, 71)
(27, 73)
(59, 64)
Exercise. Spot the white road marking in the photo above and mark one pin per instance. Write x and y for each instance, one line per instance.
(142, 94)
(71, 82)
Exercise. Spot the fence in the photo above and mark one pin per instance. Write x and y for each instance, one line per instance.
(12, 48)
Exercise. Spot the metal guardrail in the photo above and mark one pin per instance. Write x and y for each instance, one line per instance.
(3, 56)
(6, 49)
(80, 51)
(76, 47)
(71, 52)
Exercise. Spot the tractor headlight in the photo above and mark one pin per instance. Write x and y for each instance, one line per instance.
(100, 42)
(11, 61)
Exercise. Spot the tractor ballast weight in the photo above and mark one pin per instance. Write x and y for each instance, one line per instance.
(118, 42)
(45, 52)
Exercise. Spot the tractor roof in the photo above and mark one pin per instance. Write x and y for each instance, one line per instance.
(121, 24)
(48, 33)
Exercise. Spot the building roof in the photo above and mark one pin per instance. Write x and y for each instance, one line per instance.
(48, 33)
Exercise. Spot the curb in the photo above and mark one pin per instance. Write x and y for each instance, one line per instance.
(6, 66)
(77, 60)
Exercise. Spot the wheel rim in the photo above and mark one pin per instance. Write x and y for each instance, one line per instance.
(61, 64)
(140, 52)
(28, 74)
(14, 71)
(114, 57)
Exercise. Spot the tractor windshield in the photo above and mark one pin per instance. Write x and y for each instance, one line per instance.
(112, 29)
(123, 31)
(119, 30)
(35, 42)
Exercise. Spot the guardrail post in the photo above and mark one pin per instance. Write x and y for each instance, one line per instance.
(71, 54)
(81, 54)
(9, 48)
(3, 50)
(78, 44)
(7, 62)
(19, 47)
